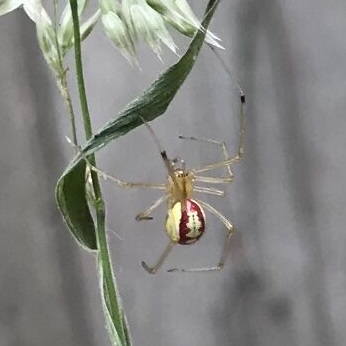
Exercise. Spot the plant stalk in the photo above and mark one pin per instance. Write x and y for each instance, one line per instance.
(62, 81)
(108, 279)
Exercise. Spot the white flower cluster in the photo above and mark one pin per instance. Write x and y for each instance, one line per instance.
(128, 22)
(45, 30)
(125, 23)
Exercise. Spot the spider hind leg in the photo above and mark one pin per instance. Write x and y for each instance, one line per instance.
(158, 264)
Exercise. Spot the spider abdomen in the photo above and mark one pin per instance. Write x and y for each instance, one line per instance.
(185, 226)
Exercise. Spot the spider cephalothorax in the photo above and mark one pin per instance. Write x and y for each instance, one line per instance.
(179, 186)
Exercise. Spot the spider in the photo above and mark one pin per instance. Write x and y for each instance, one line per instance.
(185, 220)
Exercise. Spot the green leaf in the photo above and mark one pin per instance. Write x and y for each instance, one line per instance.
(117, 327)
(70, 190)
(73, 204)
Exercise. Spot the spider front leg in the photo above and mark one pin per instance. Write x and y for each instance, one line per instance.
(145, 215)
(226, 157)
(225, 249)
(119, 182)
(125, 184)
(228, 160)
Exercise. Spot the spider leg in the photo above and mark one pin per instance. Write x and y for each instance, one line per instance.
(213, 180)
(228, 161)
(121, 183)
(156, 267)
(209, 190)
(145, 215)
(165, 159)
(225, 248)
(125, 184)
(225, 153)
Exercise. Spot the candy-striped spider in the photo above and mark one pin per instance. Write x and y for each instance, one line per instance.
(185, 221)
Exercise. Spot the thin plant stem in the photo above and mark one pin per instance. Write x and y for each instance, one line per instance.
(112, 302)
(62, 81)
(64, 91)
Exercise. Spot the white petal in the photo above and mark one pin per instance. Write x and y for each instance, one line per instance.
(117, 32)
(89, 24)
(36, 12)
(7, 6)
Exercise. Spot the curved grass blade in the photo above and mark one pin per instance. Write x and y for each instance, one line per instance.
(70, 190)
(72, 201)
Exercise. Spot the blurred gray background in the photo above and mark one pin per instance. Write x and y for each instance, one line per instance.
(285, 280)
